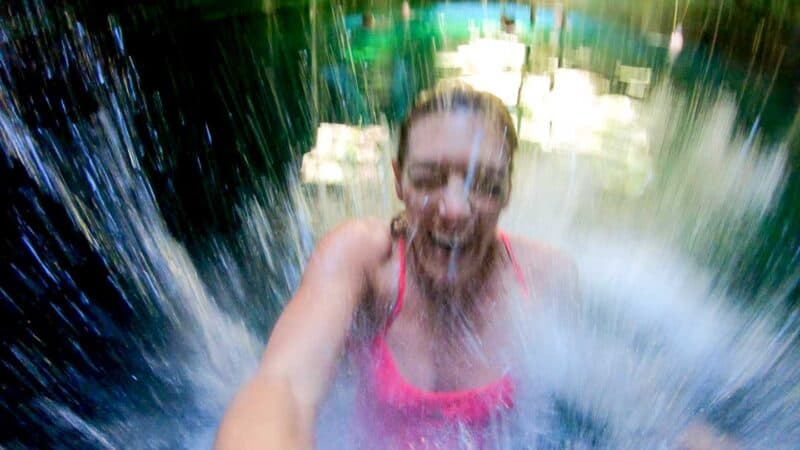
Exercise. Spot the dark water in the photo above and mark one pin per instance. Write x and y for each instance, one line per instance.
(163, 121)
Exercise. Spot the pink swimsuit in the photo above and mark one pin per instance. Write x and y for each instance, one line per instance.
(397, 414)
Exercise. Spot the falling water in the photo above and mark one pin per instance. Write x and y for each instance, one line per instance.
(662, 339)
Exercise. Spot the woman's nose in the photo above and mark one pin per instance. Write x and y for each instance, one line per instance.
(454, 202)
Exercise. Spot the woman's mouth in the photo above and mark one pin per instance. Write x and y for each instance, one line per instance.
(448, 242)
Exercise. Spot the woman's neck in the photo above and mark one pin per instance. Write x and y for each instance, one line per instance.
(456, 308)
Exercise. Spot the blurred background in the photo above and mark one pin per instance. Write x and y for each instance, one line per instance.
(168, 165)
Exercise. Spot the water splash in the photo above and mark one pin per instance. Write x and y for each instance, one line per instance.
(95, 172)
(659, 326)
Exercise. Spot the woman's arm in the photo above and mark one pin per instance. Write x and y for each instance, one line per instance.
(265, 415)
(277, 408)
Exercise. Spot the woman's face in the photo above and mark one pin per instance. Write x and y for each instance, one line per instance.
(454, 183)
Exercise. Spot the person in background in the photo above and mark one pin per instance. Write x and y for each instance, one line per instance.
(367, 20)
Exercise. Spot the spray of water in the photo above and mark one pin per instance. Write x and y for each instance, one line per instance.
(657, 344)
(96, 174)
(659, 325)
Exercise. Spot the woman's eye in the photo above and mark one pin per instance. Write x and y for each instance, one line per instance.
(431, 181)
(488, 187)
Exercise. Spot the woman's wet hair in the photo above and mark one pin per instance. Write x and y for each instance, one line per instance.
(453, 97)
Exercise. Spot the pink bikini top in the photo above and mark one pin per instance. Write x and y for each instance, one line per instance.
(404, 414)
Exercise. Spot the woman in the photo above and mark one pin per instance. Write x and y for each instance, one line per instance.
(418, 305)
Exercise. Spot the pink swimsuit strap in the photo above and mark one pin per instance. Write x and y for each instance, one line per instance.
(514, 263)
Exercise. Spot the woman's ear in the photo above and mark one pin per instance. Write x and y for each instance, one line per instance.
(398, 179)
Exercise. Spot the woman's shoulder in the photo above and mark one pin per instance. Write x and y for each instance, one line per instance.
(531, 252)
(550, 270)
(359, 240)
(366, 246)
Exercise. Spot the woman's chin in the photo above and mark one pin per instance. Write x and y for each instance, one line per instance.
(448, 268)
(446, 272)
